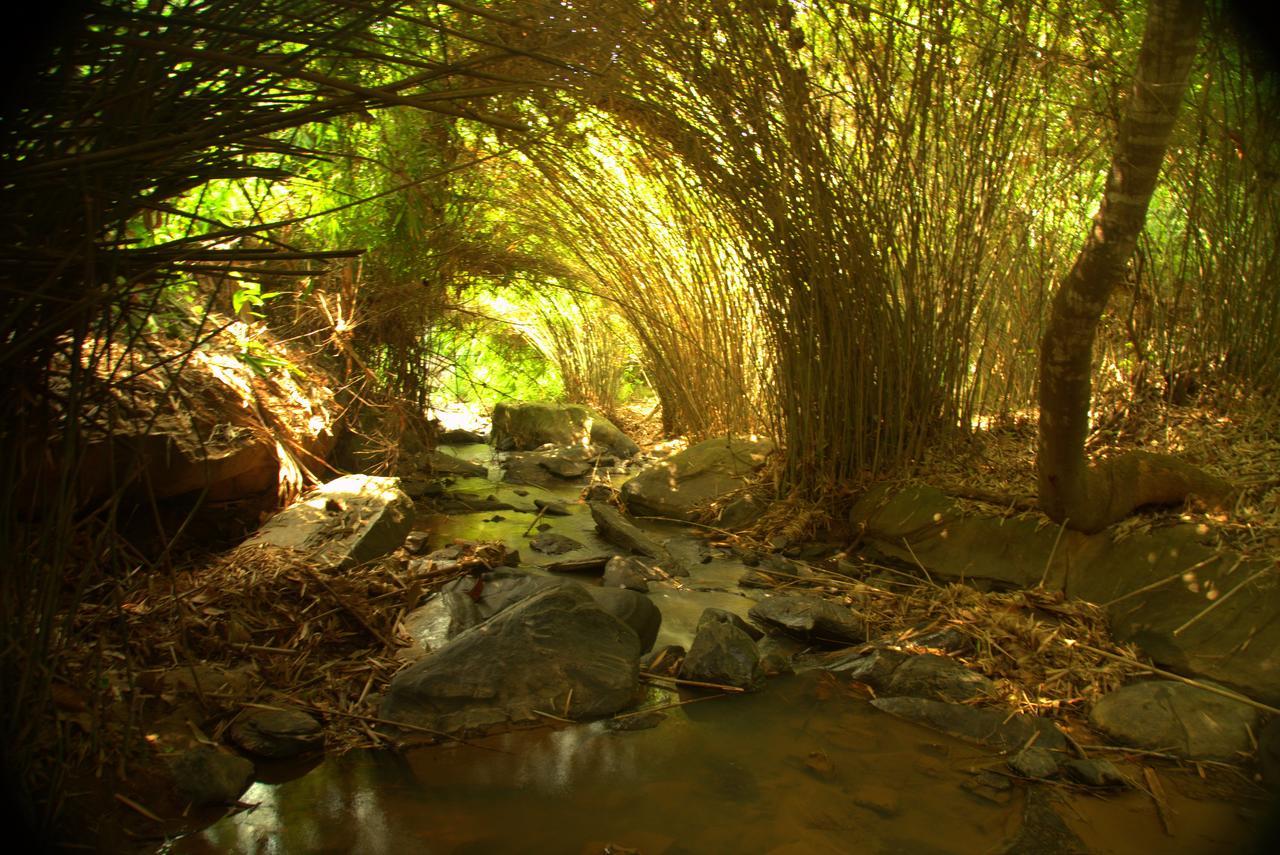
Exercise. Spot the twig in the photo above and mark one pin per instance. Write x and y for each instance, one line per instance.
(917, 560)
(1052, 552)
(130, 803)
(671, 705)
(698, 683)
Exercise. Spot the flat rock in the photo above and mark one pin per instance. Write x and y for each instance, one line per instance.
(939, 678)
(676, 486)
(348, 521)
(1168, 716)
(441, 463)
(722, 653)
(635, 610)
(206, 776)
(565, 468)
(277, 734)
(994, 728)
(811, 618)
(556, 651)
(550, 543)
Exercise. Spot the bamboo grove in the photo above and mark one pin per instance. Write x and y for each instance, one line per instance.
(836, 223)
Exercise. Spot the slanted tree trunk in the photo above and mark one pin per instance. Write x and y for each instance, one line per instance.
(1089, 498)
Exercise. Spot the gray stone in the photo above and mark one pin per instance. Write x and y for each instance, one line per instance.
(997, 729)
(811, 618)
(551, 507)
(939, 678)
(550, 543)
(454, 610)
(1034, 762)
(777, 654)
(675, 487)
(277, 734)
(206, 776)
(626, 572)
(441, 463)
(723, 616)
(524, 425)
(1042, 831)
(1169, 716)
(740, 513)
(635, 610)
(348, 521)
(873, 667)
(415, 543)
(619, 531)
(1095, 773)
(722, 653)
(565, 468)
(554, 652)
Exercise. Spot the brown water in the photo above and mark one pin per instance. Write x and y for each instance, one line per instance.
(803, 767)
(806, 766)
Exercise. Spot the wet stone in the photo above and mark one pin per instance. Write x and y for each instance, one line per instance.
(722, 653)
(990, 787)
(207, 776)
(777, 654)
(1034, 762)
(550, 543)
(1165, 715)
(991, 727)
(939, 678)
(820, 766)
(626, 572)
(635, 610)
(723, 616)
(636, 721)
(1095, 773)
(1043, 832)
(811, 618)
(277, 734)
(551, 507)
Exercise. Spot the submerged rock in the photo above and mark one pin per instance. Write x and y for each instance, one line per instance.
(556, 652)
(811, 618)
(690, 479)
(994, 728)
(1042, 831)
(206, 776)
(1166, 715)
(277, 734)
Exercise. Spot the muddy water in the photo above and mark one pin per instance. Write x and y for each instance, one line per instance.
(806, 766)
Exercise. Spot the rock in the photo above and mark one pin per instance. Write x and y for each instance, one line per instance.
(777, 654)
(994, 728)
(756, 579)
(635, 610)
(880, 800)
(820, 766)
(440, 463)
(740, 513)
(1095, 773)
(599, 493)
(690, 479)
(722, 654)
(564, 468)
(1034, 762)
(990, 787)
(1166, 715)
(550, 543)
(551, 507)
(873, 667)
(592, 564)
(523, 425)
(939, 678)
(665, 660)
(464, 502)
(415, 543)
(453, 611)
(206, 776)
(460, 436)
(1043, 832)
(811, 618)
(616, 529)
(636, 721)
(625, 572)
(277, 734)
(554, 651)
(730, 618)
(348, 521)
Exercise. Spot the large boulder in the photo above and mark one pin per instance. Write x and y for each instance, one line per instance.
(1169, 716)
(555, 652)
(469, 601)
(348, 521)
(675, 487)
(526, 425)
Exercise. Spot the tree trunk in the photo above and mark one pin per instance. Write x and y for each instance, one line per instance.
(1089, 498)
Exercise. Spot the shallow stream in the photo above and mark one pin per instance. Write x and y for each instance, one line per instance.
(804, 766)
